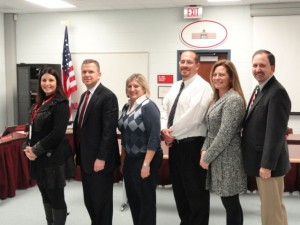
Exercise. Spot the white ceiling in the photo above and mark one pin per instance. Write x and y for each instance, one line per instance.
(21, 6)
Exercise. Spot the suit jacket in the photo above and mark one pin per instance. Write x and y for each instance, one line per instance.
(226, 175)
(264, 131)
(98, 137)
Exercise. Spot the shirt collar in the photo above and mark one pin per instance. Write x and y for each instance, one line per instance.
(137, 102)
(190, 80)
(261, 86)
(92, 90)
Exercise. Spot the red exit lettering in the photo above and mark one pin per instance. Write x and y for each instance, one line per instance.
(192, 12)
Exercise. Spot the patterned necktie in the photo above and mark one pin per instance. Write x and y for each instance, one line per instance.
(256, 91)
(83, 108)
(173, 109)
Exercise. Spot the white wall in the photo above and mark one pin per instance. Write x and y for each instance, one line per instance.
(153, 31)
(287, 55)
(2, 76)
(40, 38)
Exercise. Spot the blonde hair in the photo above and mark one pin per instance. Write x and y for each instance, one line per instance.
(142, 81)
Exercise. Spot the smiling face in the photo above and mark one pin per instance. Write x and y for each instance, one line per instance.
(90, 74)
(188, 66)
(221, 80)
(261, 68)
(48, 84)
(134, 90)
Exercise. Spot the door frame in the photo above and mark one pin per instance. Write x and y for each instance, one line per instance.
(203, 53)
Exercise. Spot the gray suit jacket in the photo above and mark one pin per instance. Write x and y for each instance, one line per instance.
(226, 176)
(264, 131)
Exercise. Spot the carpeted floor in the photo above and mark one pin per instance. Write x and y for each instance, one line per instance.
(26, 208)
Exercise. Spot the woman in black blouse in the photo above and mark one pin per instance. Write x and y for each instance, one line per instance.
(46, 148)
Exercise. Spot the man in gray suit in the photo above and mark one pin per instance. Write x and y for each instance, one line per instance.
(264, 145)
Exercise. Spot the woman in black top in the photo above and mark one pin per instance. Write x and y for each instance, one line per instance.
(46, 148)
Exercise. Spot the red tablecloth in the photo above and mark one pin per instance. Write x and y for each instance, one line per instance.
(292, 179)
(14, 169)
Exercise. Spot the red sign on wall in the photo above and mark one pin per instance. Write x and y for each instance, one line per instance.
(165, 79)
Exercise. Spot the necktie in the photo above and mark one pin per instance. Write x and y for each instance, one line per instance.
(256, 91)
(83, 108)
(173, 109)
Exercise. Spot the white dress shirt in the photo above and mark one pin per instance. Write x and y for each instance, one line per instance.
(189, 120)
(92, 90)
(136, 103)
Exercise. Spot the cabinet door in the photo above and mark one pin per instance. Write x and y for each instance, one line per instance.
(24, 98)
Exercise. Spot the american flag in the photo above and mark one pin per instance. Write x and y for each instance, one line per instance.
(69, 79)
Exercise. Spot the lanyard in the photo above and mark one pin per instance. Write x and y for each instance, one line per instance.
(38, 107)
(35, 111)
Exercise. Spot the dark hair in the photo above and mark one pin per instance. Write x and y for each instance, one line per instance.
(88, 61)
(233, 74)
(270, 55)
(59, 89)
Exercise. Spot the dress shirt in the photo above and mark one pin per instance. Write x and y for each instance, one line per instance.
(92, 90)
(136, 103)
(189, 120)
(261, 86)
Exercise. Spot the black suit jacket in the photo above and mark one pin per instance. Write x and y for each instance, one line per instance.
(264, 131)
(98, 138)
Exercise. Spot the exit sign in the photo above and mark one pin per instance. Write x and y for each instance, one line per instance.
(193, 12)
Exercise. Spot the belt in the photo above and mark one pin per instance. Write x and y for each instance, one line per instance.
(185, 140)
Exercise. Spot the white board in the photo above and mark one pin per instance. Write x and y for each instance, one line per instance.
(115, 69)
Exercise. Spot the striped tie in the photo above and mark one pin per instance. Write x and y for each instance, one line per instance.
(254, 96)
(83, 108)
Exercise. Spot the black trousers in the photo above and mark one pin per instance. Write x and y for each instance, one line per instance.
(98, 196)
(188, 181)
(234, 212)
(54, 197)
(141, 193)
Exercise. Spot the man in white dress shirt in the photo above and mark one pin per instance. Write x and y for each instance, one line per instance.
(185, 137)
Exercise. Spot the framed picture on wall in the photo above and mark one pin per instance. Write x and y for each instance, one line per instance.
(163, 90)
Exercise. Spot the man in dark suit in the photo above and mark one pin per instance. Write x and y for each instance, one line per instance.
(264, 145)
(96, 144)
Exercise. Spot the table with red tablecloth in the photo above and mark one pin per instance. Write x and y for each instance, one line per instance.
(14, 168)
(292, 178)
